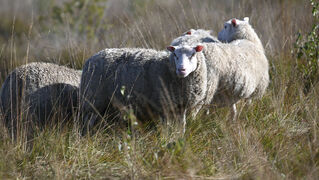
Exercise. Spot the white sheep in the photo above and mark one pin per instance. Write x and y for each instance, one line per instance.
(36, 91)
(151, 82)
(193, 37)
(233, 32)
(235, 29)
(235, 71)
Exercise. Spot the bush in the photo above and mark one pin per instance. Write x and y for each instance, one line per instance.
(84, 17)
(306, 51)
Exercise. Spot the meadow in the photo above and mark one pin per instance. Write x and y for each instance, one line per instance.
(276, 137)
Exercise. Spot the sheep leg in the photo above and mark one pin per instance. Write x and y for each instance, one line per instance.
(184, 121)
(233, 112)
(196, 111)
(88, 123)
(249, 101)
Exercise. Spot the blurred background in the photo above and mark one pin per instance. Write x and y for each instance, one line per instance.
(69, 31)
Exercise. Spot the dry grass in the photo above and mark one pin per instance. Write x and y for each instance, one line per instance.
(274, 138)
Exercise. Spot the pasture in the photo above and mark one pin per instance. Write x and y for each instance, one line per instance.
(276, 137)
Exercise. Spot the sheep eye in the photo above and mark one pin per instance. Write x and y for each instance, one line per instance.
(225, 27)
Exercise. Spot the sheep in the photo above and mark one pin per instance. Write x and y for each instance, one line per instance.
(156, 83)
(233, 32)
(194, 36)
(235, 29)
(34, 90)
(235, 71)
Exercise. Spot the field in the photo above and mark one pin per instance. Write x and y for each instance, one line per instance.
(276, 137)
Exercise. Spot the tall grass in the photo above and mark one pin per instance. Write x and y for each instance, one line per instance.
(274, 138)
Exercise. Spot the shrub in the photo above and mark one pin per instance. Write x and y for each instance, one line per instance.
(84, 17)
(306, 51)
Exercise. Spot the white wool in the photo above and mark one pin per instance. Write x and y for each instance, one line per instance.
(35, 89)
(193, 37)
(242, 71)
(230, 75)
(235, 29)
(235, 71)
(157, 84)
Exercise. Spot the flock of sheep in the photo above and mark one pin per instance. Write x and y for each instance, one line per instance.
(196, 71)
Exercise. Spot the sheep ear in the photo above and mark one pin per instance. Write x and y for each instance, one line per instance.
(171, 48)
(246, 19)
(233, 22)
(199, 48)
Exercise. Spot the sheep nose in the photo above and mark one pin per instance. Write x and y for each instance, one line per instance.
(181, 69)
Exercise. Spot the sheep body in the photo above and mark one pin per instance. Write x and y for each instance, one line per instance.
(151, 85)
(242, 71)
(35, 89)
(238, 32)
(194, 36)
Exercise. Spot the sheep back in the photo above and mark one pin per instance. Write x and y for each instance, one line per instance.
(195, 36)
(241, 68)
(36, 87)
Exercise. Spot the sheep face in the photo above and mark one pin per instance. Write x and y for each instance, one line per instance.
(185, 59)
(232, 29)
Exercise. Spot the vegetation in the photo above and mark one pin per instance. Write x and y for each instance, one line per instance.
(307, 51)
(274, 138)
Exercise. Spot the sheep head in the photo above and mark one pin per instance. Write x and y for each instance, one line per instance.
(189, 32)
(232, 29)
(185, 59)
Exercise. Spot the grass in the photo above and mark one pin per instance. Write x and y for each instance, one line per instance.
(274, 138)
